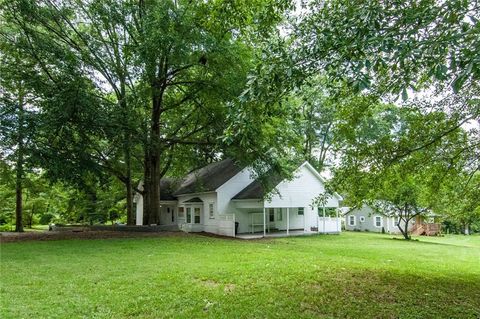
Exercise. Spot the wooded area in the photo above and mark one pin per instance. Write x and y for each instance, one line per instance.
(98, 95)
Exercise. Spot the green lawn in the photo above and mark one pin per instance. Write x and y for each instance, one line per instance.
(354, 275)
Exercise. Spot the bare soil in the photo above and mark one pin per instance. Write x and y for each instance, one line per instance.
(8, 237)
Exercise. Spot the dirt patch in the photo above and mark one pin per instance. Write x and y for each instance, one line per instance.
(229, 288)
(210, 283)
(8, 237)
(216, 236)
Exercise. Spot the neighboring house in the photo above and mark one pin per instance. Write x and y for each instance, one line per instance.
(218, 196)
(367, 219)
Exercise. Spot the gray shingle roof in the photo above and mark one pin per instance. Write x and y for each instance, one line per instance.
(167, 187)
(208, 178)
(256, 189)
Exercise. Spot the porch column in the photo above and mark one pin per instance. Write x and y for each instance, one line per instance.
(318, 219)
(288, 219)
(324, 220)
(338, 228)
(264, 223)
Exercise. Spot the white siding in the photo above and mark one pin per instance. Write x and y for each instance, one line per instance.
(300, 191)
(206, 224)
(231, 188)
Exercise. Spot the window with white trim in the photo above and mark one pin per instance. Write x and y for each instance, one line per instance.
(279, 214)
(378, 221)
(189, 215)
(211, 212)
(196, 211)
(362, 219)
(300, 211)
(351, 220)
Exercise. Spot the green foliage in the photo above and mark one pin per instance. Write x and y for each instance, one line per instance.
(459, 201)
(392, 46)
(155, 78)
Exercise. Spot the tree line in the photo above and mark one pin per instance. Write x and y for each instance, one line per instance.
(98, 95)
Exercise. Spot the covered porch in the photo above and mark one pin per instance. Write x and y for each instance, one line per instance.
(255, 220)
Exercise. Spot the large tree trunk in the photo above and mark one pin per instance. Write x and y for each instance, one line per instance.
(19, 164)
(130, 215)
(128, 178)
(151, 208)
(127, 144)
(18, 206)
(151, 199)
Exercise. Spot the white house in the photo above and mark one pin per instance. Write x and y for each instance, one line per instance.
(222, 195)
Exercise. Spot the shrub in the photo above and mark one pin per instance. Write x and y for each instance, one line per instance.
(6, 227)
(46, 219)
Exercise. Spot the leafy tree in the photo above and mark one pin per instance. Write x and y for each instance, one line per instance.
(459, 200)
(173, 65)
(400, 184)
(391, 46)
(17, 112)
(384, 50)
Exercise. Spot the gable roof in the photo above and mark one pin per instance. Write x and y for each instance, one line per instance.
(194, 200)
(256, 190)
(208, 178)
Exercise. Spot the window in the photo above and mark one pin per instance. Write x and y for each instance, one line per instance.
(210, 211)
(329, 211)
(197, 215)
(362, 219)
(351, 220)
(181, 212)
(173, 214)
(300, 211)
(396, 220)
(189, 215)
(378, 221)
(271, 214)
(279, 214)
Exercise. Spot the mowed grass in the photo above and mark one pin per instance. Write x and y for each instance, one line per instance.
(354, 275)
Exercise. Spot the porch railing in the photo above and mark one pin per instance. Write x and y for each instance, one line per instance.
(329, 224)
(226, 224)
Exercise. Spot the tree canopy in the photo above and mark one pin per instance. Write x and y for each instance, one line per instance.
(383, 95)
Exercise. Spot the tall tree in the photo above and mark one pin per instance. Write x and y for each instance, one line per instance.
(173, 65)
(17, 112)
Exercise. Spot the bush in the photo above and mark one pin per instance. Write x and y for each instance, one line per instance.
(7, 227)
(46, 219)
